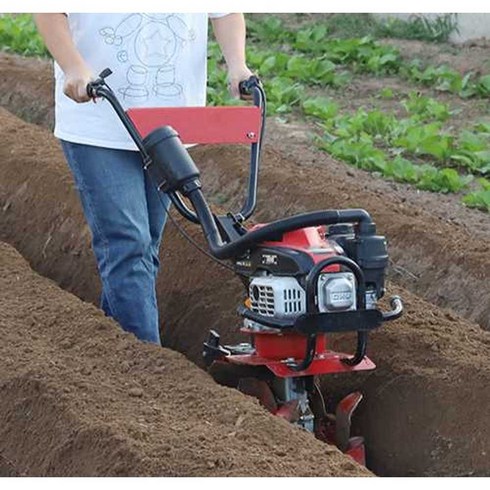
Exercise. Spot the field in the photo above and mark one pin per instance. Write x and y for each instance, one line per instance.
(368, 128)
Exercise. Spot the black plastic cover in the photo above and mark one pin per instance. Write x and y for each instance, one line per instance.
(171, 165)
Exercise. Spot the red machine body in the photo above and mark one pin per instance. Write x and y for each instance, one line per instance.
(338, 278)
(273, 349)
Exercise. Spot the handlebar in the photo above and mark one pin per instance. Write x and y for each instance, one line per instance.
(169, 163)
(246, 87)
(253, 86)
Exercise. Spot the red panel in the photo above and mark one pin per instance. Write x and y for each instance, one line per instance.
(324, 363)
(276, 347)
(308, 240)
(234, 124)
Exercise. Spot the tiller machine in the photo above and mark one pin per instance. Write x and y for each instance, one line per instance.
(306, 276)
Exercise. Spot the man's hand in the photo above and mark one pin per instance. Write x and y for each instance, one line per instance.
(230, 34)
(235, 76)
(75, 85)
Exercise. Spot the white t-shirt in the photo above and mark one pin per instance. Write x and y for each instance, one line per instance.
(156, 59)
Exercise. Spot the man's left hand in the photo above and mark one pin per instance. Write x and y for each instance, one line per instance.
(235, 76)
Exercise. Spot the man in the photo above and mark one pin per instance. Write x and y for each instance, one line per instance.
(157, 60)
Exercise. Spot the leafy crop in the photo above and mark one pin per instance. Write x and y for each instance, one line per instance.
(269, 29)
(443, 78)
(419, 27)
(365, 54)
(426, 108)
(282, 95)
(426, 139)
(473, 151)
(377, 141)
(18, 34)
(323, 108)
(414, 149)
(481, 198)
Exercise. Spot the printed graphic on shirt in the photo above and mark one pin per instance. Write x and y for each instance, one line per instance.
(150, 45)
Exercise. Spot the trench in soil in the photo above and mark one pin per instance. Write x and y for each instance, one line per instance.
(428, 390)
(425, 405)
(80, 397)
(439, 250)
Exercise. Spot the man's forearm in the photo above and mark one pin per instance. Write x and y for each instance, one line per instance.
(56, 34)
(230, 34)
(57, 37)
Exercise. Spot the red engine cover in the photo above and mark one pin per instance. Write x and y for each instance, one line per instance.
(273, 349)
(309, 240)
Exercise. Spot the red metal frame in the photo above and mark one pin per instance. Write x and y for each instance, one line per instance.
(308, 240)
(234, 124)
(273, 349)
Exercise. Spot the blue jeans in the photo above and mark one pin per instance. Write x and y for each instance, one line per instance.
(126, 216)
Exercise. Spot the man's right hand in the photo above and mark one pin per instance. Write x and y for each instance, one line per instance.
(75, 85)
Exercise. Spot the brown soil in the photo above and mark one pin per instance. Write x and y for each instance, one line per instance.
(30, 97)
(6, 468)
(81, 397)
(426, 405)
(439, 222)
(472, 56)
(432, 365)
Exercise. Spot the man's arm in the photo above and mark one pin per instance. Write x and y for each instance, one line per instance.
(230, 34)
(57, 37)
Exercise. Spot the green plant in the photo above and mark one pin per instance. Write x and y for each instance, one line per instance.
(304, 38)
(268, 29)
(314, 72)
(18, 34)
(483, 86)
(426, 139)
(442, 77)
(386, 93)
(419, 27)
(478, 199)
(365, 54)
(442, 180)
(323, 108)
(282, 95)
(402, 170)
(360, 152)
(473, 151)
(426, 108)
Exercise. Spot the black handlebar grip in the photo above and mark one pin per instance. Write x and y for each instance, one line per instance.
(93, 86)
(245, 86)
(91, 92)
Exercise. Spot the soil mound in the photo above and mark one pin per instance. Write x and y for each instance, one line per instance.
(26, 88)
(438, 249)
(426, 404)
(81, 397)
